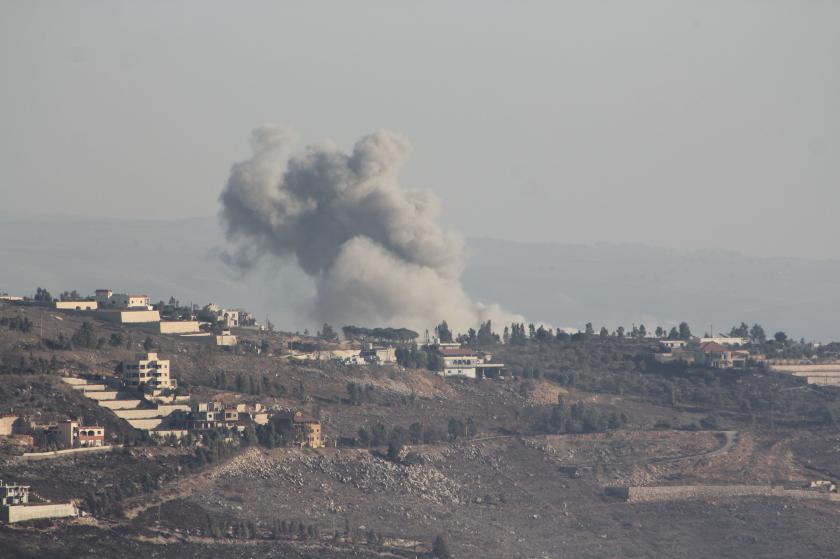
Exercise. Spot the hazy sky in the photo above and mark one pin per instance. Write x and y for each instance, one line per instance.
(697, 124)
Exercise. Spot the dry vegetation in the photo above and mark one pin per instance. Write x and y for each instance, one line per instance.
(528, 482)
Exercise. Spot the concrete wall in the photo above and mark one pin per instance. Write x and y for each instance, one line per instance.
(187, 327)
(69, 451)
(74, 380)
(119, 404)
(89, 387)
(806, 368)
(682, 492)
(137, 414)
(20, 513)
(102, 394)
(145, 424)
(129, 317)
(166, 409)
(76, 305)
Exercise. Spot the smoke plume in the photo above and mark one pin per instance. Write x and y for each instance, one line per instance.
(374, 250)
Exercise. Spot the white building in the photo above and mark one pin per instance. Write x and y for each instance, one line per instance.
(465, 362)
(148, 369)
(107, 299)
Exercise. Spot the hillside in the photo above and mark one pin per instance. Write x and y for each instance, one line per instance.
(526, 478)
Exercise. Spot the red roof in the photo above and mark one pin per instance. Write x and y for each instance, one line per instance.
(712, 347)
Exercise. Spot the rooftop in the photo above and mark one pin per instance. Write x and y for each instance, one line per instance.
(712, 347)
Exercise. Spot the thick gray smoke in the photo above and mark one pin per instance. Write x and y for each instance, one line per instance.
(375, 251)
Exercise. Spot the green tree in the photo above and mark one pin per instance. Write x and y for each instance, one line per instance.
(757, 335)
(642, 331)
(589, 330)
(780, 337)
(685, 331)
(443, 332)
(604, 332)
(660, 332)
(42, 295)
(84, 336)
(439, 549)
(742, 331)
(327, 333)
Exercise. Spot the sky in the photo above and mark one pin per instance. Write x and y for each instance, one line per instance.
(712, 125)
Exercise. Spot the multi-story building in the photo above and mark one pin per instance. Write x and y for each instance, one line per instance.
(148, 369)
(70, 434)
(307, 431)
(464, 362)
(216, 415)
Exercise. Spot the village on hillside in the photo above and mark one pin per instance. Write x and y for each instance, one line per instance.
(206, 382)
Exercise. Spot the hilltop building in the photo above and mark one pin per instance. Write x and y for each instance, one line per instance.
(459, 361)
(229, 318)
(716, 356)
(148, 369)
(107, 299)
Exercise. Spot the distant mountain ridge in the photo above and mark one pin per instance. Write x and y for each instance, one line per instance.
(562, 284)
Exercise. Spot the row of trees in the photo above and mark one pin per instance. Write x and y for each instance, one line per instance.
(261, 385)
(394, 335)
(417, 433)
(20, 323)
(580, 418)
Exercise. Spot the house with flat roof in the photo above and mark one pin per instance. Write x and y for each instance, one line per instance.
(71, 434)
(459, 361)
(107, 299)
(147, 369)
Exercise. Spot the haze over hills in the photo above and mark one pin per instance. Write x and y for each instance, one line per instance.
(562, 284)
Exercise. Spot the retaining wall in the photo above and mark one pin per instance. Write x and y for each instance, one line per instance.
(682, 492)
(150, 423)
(90, 387)
(184, 327)
(119, 404)
(136, 414)
(20, 513)
(102, 395)
(166, 409)
(69, 451)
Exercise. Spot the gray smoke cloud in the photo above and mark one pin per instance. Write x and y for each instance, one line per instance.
(375, 251)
